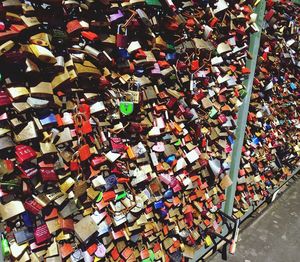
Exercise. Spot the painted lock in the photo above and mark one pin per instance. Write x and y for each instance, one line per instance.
(25, 153)
(127, 107)
(121, 39)
(41, 234)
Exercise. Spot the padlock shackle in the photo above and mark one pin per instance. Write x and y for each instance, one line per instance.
(132, 97)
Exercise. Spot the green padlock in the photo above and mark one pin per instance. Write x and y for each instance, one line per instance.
(243, 93)
(151, 257)
(5, 246)
(213, 112)
(99, 197)
(153, 2)
(11, 185)
(126, 107)
(121, 195)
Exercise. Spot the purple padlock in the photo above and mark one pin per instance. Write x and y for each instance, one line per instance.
(156, 70)
(101, 251)
(115, 17)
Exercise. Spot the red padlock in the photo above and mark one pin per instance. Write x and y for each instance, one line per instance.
(48, 174)
(213, 21)
(32, 206)
(4, 99)
(195, 65)
(103, 82)
(74, 163)
(41, 234)
(121, 38)
(84, 152)
(25, 153)
(89, 35)
(7, 165)
(109, 195)
(86, 110)
(59, 120)
(73, 26)
(269, 14)
(82, 124)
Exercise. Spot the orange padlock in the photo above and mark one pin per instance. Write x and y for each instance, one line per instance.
(130, 152)
(59, 120)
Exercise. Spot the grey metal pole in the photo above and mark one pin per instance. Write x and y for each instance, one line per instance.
(243, 111)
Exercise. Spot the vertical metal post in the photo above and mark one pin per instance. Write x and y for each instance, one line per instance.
(243, 111)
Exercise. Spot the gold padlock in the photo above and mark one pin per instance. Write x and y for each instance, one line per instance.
(6, 47)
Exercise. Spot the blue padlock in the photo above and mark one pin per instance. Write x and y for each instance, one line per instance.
(50, 119)
(123, 53)
(171, 57)
(293, 86)
(170, 159)
(158, 204)
(268, 183)
(230, 139)
(139, 72)
(111, 181)
(27, 219)
(168, 194)
(255, 140)
(163, 213)
(268, 127)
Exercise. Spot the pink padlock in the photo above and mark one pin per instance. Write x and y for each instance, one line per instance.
(2, 26)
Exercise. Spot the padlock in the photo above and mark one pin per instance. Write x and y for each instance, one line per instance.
(25, 153)
(82, 123)
(222, 119)
(130, 152)
(6, 166)
(4, 99)
(48, 174)
(127, 107)
(121, 38)
(195, 65)
(98, 160)
(74, 163)
(84, 151)
(116, 16)
(123, 54)
(41, 234)
(153, 3)
(11, 185)
(32, 206)
(5, 246)
(28, 170)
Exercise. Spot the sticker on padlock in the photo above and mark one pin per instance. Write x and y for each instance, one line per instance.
(127, 107)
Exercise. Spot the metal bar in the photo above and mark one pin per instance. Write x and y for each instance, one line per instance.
(243, 111)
